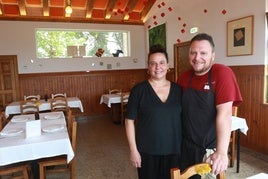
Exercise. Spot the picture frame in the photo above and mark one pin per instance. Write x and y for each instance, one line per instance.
(240, 36)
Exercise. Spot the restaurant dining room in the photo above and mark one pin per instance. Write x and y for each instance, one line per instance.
(68, 67)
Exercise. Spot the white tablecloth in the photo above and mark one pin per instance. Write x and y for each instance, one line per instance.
(110, 99)
(14, 107)
(259, 176)
(239, 123)
(18, 148)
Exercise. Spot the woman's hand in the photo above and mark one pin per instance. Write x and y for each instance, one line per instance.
(135, 158)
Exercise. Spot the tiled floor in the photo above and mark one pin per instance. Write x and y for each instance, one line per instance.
(102, 153)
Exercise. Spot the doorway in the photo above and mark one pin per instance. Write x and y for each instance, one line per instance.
(181, 62)
(9, 86)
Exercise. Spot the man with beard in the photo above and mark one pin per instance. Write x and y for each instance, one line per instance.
(209, 92)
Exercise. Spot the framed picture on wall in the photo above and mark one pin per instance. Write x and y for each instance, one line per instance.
(157, 35)
(240, 36)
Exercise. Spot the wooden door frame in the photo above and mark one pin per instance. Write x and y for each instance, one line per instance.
(13, 58)
(176, 56)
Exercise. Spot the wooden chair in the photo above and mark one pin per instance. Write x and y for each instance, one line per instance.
(58, 95)
(29, 106)
(15, 171)
(3, 120)
(124, 101)
(32, 97)
(200, 169)
(114, 91)
(231, 151)
(60, 162)
(58, 104)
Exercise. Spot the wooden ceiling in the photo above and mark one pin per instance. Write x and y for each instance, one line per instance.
(91, 11)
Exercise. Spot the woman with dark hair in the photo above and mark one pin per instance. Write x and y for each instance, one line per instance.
(153, 120)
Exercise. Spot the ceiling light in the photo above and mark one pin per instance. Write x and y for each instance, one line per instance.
(68, 9)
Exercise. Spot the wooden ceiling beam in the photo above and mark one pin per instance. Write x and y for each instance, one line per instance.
(81, 14)
(22, 7)
(110, 8)
(45, 8)
(130, 5)
(90, 6)
(147, 8)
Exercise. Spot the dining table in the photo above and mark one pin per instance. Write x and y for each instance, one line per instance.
(14, 107)
(19, 141)
(110, 99)
(240, 125)
(113, 101)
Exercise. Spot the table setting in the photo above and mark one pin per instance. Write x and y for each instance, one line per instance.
(25, 138)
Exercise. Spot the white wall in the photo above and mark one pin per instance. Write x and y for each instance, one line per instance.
(213, 22)
(18, 38)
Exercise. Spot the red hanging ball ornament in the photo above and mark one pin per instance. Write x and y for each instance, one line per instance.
(179, 18)
(178, 40)
(223, 11)
(182, 31)
(205, 11)
(162, 14)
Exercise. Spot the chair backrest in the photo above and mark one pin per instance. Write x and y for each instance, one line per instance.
(200, 169)
(114, 91)
(15, 171)
(235, 110)
(58, 104)
(124, 101)
(29, 106)
(32, 97)
(58, 95)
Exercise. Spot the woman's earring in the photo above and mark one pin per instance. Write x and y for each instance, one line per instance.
(148, 72)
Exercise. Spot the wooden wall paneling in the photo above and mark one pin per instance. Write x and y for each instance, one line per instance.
(263, 130)
(251, 83)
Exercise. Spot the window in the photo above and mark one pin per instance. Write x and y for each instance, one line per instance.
(80, 43)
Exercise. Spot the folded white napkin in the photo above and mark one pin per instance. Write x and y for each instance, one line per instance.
(33, 128)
